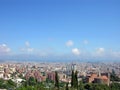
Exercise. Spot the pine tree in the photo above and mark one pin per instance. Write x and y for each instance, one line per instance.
(67, 88)
(56, 80)
(72, 79)
(31, 81)
(76, 80)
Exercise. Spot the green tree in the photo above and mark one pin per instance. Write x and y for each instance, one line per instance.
(114, 77)
(67, 88)
(3, 84)
(11, 84)
(31, 81)
(56, 80)
(95, 86)
(88, 86)
(115, 86)
(100, 87)
(72, 79)
(76, 80)
(81, 86)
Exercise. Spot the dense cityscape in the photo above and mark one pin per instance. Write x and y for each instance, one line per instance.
(59, 44)
(42, 76)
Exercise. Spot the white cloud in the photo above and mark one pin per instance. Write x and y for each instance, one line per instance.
(27, 44)
(69, 43)
(30, 49)
(76, 51)
(100, 50)
(27, 48)
(115, 54)
(85, 42)
(4, 49)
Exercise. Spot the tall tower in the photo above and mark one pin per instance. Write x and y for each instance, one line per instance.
(99, 72)
(74, 67)
(108, 74)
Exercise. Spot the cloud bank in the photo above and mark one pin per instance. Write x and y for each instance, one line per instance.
(4, 49)
(69, 43)
(95, 53)
(75, 51)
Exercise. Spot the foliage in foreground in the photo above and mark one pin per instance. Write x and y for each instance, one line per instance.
(33, 84)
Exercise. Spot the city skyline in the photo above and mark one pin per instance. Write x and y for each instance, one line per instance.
(60, 30)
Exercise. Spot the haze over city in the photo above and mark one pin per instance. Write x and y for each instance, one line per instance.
(64, 30)
(59, 44)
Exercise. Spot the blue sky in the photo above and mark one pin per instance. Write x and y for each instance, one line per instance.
(64, 29)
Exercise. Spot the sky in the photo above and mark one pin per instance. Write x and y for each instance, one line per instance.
(60, 30)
